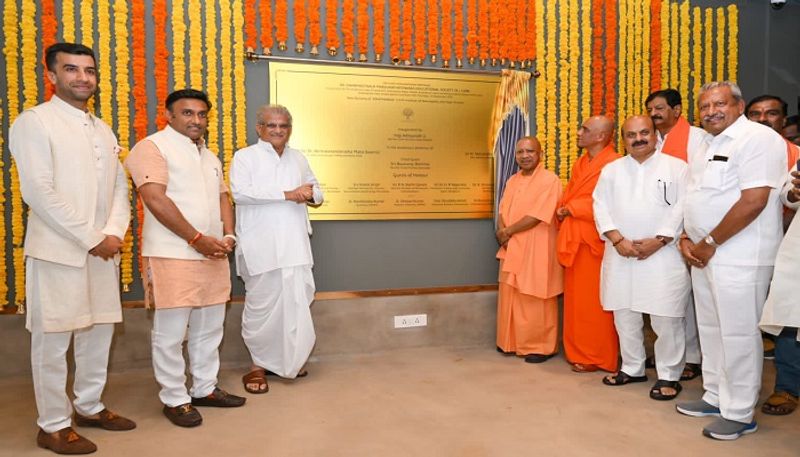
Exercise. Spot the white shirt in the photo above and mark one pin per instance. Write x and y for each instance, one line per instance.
(272, 232)
(643, 201)
(746, 155)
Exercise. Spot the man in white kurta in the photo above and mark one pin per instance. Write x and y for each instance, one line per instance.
(781, 316)
(677, 138)
(732, 220)
(272, 184)
(638, 209)
(74, 185)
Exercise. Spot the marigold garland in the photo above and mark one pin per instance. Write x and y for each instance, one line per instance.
(564, 115)
(495, 29)
(378, 28)
(300, 24)
(265, 18)
(196, 67)
(433, 28)
(655, 45)
(446, 36)
(586, 61)
(394, 31)
(472, 30)
(530, 27)
(3, 266)
(362, 24)
(87, 23)
(250, 31)
(733, 42)
(419, 31)
(331, 35)
(721, 42)
(226, 106)
(697, 62)
(314, 29)
(11, 52)
(460, 26)
(624, 70)
(122, 95)
(211, 69)
(161, 59)
(348, 29)
(675, 42)
(49, 31)
(644, 83)
(505, 18)
(483, 30)
(708, 55)
(540, 88)
(685, 50)
(551, 95)
(406, 36)
(240, 95)
(281, 26)
(573, 63)
(178, 23)
(611, 59)
(105, 91)
(139, 70)
(68, 21)
(598, 59)
(666, 24)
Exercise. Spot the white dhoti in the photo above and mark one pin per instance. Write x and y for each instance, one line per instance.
(205, 328)
(669, 346)
(91, 293)
(276, 322)
(729, 301)
(692, 339)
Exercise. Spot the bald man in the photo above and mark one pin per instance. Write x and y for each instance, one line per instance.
(530, 277)
(590, 339)
(638, 208)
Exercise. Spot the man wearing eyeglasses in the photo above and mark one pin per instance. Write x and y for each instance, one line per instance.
(272, 186)
(638, 209)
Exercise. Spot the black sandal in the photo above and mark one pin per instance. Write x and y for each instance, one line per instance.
(621, 378)
(691, 371)
(656, 394)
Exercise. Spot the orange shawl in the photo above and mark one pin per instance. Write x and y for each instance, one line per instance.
(579, 226)
(677, 140)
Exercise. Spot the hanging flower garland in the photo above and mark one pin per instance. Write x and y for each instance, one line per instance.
(598, 59)
(105, 92)
(407, 32)
(721, 44)
(541, 106)
(611, 59)
(666, 42)
(530, 36)
(161, 59)
(574, 63)
(3, 266)
(178, 23)
(87, 23)
(227, 80)
(483, 31)
(586, 61)
(49, 31)
(139, 69)
(379, 25)
(505, 15)
(622, 89)
(394, 31)
(655, 45)
(697, 62)
(495, 29)
(459, 38)
(281, 26)
(520, 35)
(733, 42)
(447, 32)
(348, 29)
(362, 23)
(211, 71)
(433, 28)
(122, 95)
(300, 24)
(68, 21)
(265, 16)
(331, 36)
(11, 53)
(644, 82)
(708, 55)
(564, 118)
(314, 29)
(419, 31)
(472, 31)
(675, 42)
(551, 94)
(250, 31)
(240, 94)
(685, 49)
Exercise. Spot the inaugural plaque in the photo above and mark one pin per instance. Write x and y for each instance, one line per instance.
(390, 143)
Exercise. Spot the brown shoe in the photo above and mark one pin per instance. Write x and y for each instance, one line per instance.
(220, 399)
(105, 420)
(65, 441)
(184, 415)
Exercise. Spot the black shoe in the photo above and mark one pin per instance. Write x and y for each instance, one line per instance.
(538, 358)
(183, 415)
(220, 399)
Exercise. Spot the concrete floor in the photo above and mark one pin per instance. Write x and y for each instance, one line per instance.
(413, 402)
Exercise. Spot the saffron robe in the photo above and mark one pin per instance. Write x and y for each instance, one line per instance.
(530, 276)
(590, 337)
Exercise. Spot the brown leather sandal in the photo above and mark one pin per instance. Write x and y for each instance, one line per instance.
(256, 377)
(779, 404)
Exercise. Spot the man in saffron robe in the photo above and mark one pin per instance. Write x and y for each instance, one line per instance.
(676, 138)
(590, 339)
(530, 276)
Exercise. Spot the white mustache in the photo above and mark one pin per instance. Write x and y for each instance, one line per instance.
(713, 117)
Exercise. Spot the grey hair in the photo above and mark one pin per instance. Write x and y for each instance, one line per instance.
(272, 109)
(735, 91)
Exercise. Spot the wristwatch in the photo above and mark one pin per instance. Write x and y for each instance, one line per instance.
(711, 241)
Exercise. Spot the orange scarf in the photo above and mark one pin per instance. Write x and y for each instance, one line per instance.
(677, 140)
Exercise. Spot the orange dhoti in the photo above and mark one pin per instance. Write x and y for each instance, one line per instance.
(526, 324)
(590, 337)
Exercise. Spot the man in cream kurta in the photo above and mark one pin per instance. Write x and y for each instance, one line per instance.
(187, 235)
(272, 185)
(732, 220)
(638, 209)
(74, 185)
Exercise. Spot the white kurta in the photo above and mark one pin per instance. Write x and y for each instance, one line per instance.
(273, 256)
(643, 201)
(782, 308)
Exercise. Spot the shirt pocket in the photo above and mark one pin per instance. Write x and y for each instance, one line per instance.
(715, 174)
(665, 192)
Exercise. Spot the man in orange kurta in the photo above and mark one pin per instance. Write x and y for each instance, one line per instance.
(590, 339)
(530, 276)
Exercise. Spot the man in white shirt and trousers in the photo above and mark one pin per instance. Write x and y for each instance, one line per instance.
(733, 226)
(638, 209)
(77, 193)
(272, 184)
